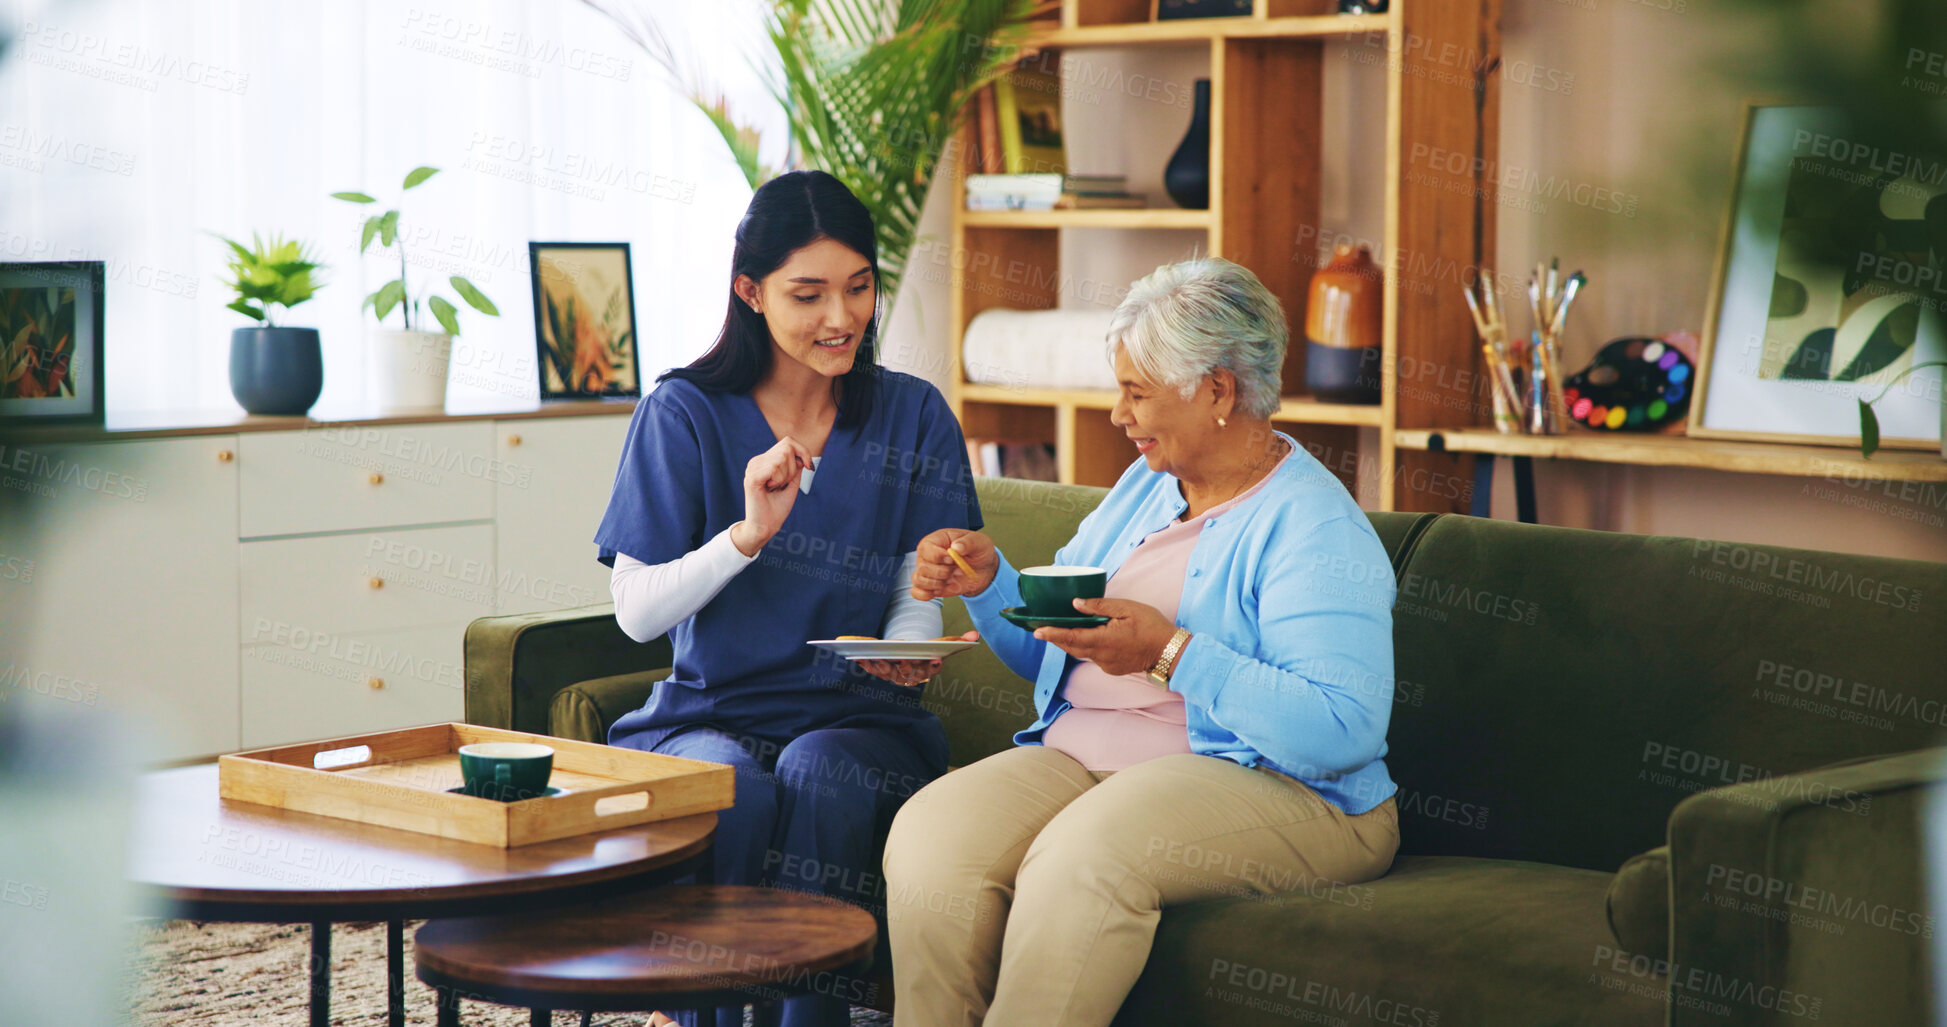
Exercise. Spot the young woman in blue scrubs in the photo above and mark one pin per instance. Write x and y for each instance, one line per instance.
(774, 492)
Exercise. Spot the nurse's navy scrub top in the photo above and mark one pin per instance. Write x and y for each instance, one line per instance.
(741, 662)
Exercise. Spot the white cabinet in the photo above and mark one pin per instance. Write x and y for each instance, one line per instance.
(359, 631)
(119, 583)
(547, 507)
(271, 586)
(338, 477)
(300, 685)
(367, 581)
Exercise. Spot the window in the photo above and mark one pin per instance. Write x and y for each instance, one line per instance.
(131, 129)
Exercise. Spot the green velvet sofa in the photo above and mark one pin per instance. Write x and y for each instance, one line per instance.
(1642, 779)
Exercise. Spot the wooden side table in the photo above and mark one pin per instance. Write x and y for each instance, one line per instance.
(687, 947)
(212, 859)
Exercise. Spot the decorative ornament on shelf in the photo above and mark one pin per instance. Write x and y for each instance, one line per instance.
(273, 369)
(1343, 326)
(1362, 6)
(1635, 383)
(1187, 176)
(407, 368)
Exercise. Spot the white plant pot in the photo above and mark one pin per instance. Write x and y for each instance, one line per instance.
(406, 369)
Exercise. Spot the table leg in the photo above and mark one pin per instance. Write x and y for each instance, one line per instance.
(587, 1018)
(321, 974)
(1524, 489)
(395, 973)
(447, 1006)
(1483, 504)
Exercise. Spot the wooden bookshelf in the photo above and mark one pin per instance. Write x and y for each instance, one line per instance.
(1267, 73)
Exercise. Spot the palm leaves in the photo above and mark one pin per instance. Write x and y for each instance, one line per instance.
(872, 90)
(270, 274)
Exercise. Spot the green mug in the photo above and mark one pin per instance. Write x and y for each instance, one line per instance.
(1052, 591)
(507, 771)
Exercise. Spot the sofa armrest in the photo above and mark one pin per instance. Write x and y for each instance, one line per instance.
(584, 710)
(1803, 896)
(515, 664)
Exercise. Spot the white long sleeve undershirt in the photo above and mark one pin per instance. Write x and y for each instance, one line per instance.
(652, 598)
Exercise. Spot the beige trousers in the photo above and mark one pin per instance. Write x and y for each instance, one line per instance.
(1025, 889)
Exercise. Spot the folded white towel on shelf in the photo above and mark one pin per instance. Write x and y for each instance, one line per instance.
(1039, 349)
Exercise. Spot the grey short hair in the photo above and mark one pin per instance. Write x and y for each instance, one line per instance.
(1185, 320)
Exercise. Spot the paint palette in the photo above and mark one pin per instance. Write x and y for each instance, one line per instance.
(1635, 383)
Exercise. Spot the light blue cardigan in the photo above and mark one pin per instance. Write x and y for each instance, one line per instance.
(1289, 596)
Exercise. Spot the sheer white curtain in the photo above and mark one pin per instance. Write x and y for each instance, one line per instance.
(130, 129)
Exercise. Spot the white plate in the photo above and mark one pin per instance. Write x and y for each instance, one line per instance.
(853, 649)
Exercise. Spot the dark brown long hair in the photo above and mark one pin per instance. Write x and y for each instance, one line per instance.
(787, 214)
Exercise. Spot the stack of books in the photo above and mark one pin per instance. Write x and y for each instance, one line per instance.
(1018, 160)
(1048, 192)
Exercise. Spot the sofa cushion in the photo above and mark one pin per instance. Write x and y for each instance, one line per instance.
(1439, 940)
(1639, 904)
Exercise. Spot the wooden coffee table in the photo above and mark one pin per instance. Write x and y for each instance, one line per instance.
(211, 859)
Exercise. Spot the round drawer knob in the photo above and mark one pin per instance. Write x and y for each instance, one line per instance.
(376, 582)
(224, 456)
(374, 683)
(376, 478)
(513, 440)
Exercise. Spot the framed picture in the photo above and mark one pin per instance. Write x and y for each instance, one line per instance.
(51, 343)
(584, 319)
(1828, 287)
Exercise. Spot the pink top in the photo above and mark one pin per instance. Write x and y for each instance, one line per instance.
(1118, 721)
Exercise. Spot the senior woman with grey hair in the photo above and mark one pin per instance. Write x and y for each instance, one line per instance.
(1222, 734)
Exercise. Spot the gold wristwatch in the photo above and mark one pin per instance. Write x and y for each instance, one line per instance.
(1159, 675)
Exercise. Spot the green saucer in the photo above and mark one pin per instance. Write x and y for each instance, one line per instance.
(1020, 617)
(547, 792)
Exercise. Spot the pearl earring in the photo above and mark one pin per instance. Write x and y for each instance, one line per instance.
(1221, 423)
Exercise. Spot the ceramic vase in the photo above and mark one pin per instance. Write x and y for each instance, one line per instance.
(1187, 176)
(1344, 320)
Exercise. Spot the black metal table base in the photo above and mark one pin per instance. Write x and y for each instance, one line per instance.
(451, 992)
(395, 973)
(698, 866)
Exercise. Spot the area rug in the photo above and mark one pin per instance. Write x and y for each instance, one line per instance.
(253, 975)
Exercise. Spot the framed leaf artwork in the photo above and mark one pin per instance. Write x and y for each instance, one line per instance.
(51, 343)
(584, 320)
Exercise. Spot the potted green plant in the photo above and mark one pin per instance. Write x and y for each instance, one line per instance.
(274, 369)
(406, 367)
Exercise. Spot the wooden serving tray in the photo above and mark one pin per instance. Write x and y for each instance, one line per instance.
(400, 779)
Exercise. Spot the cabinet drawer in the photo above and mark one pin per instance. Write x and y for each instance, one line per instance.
(339, 479)
(310, 686)
(369, 581)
